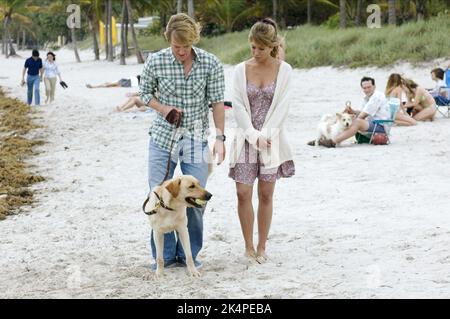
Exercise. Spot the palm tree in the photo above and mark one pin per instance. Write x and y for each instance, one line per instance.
(191, 11)
(93, 15)
(133, 33)
(179, 6)
(274, 9)
(392, 13)
(309, 11)
(420, 9)
(359, 5)
(343, 13)
(110, 33)
(122, 34)
(8, 8)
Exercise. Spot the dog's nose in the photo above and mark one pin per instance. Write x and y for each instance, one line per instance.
(208, 196)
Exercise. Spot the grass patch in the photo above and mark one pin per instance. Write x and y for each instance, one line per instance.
(15, 148)
(313, 46)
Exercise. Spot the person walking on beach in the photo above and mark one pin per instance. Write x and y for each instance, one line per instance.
(260, 149)
(33, 67)
(51, 72)
(178, 83)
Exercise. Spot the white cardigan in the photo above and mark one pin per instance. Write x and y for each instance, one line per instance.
(273, 126)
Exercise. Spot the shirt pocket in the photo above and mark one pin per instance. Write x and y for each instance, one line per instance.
(199, 87)
(166, 87)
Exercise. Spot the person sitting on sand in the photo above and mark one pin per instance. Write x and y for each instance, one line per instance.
(394, 89)
(124, 83)
(133, 100)
(420, 100)
(376, 107)
(437, 75)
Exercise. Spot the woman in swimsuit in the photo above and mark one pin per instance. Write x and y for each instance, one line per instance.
(420, 100)
(394, 89)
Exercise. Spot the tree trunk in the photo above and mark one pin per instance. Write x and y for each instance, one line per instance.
(191, 11)
(106, 31)
(24, 40)
(75, 45)
(133, 33)
(110, 37)
(127, 21)
(309, 11)
(405, 10)
(179, 6)
(5, 36)
(122, 34)
(274, 9)
(420, 9)
(93, 24)
(358, 13)
(392, 12)
(12, 51)
(343, 14)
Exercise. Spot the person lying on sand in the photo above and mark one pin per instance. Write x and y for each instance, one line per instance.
(133, 100)
(124, 83)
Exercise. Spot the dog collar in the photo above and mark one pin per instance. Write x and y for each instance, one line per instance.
(159, 203)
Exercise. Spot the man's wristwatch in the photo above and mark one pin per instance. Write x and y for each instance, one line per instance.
(222, 138)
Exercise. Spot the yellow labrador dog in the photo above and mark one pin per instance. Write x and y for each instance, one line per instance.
(166, 207)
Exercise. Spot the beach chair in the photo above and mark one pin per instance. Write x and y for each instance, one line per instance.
(443, 102)
(394, 105)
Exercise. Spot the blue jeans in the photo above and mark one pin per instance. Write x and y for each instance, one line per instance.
(190, 153)
(33, 81)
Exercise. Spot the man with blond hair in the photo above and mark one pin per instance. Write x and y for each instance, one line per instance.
(179, 83)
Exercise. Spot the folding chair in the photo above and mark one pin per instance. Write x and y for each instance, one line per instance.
(394, 105)
(443, 102)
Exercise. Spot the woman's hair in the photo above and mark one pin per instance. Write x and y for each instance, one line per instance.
(439, 73)
(265, 32)
(183, 28)
(395, 80)
(53, 55)
(139, 79)
(410, 84)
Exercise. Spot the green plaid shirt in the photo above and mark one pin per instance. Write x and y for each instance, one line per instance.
(163, 78)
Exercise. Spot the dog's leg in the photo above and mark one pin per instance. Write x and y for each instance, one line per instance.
(184, 238)
(159, 243)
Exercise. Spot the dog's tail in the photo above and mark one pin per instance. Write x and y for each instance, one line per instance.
(328, 118)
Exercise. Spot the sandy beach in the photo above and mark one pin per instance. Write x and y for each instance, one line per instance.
(358, 221)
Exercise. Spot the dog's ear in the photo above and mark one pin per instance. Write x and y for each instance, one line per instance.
(174, 187)
(339, 115)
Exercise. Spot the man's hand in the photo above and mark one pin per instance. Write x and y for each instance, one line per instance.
(172, 114)
(22, 83)
(219, 150)
(349, 110)
(264, 143)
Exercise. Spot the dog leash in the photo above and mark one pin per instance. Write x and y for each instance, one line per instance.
(160, 202)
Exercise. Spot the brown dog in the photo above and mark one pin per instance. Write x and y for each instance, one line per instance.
(166, 208)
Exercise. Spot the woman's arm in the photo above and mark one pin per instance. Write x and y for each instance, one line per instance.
(242, 117)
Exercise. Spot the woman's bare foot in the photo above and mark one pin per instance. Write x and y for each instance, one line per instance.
(261, 256)
(89, 86)
(117, 109)
(250, 252)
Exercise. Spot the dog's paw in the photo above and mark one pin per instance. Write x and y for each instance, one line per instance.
(194, 273)
(159, 274)
(148, 277)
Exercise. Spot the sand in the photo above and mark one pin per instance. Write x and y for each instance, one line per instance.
(359, 221)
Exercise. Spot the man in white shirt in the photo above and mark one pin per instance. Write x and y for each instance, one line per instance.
(376, 107)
